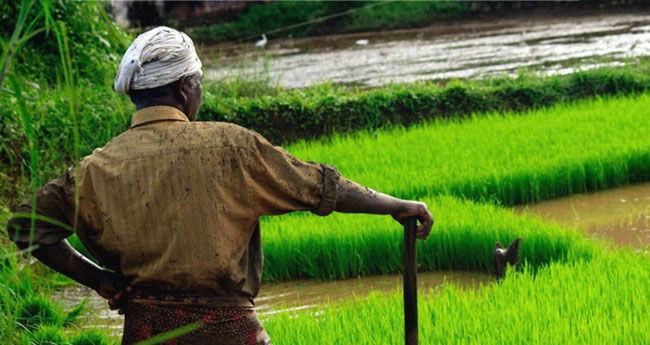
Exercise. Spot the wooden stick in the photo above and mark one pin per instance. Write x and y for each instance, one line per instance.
(410, 283)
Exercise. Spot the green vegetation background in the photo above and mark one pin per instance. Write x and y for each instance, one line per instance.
(57, 104)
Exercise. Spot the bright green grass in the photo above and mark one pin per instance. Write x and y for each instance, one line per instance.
(513, 159)
(463, 238)
(29, 315)
(547, 153)
(602, 301)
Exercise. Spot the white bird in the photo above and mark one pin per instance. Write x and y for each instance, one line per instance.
(362, 42)
(261, 43)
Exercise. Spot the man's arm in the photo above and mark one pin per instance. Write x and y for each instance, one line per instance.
(64, 259)
(355, 198)
(46, 238)
(283, 183)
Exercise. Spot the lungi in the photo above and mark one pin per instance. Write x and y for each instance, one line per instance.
(218, 325)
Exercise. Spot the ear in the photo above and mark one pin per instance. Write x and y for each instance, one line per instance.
(181, 93)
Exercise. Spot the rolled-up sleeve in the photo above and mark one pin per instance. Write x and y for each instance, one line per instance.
(54, 214)
(280, 182)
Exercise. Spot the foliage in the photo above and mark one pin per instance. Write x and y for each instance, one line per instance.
(93, 41)
(264, 18)
(105, 114)
(30, 316)
(325, 109)
(406, 14)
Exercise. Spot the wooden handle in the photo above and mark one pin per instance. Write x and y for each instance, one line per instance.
(410, 282)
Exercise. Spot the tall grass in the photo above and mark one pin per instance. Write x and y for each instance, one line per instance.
(605, 300)
(506, 158)
(29, 314)
(463, 238)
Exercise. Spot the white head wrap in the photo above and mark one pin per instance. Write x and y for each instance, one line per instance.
(157, 57)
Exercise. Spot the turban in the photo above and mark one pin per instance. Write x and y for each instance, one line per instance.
(155, 58)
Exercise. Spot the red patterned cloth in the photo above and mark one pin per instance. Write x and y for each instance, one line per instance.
(219, 325)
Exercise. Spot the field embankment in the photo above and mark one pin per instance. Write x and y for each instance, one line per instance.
(284, 116)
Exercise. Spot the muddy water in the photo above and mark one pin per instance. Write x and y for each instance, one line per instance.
(308, 294)
(467, 50)
(622, 214)
(289, 296)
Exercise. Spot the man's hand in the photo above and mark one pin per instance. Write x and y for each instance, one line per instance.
(116, 289)
(355, 198)
(419, 210)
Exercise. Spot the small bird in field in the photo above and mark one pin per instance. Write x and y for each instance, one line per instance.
(261, 43)
(503, 257)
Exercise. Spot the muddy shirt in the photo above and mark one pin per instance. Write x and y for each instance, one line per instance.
(175, 205)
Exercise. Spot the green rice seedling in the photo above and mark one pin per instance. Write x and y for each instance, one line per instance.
(600, 301)
(72, 316)
(344, 245)
(91, 337)
(37, 310)
(547, 153)
(44, 335)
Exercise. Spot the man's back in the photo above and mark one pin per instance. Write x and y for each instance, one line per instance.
(178, 202)
(174, 206)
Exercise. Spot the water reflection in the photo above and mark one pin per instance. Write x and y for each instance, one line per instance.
(553, 46)
(306, 294)
(284, 297)
(621, 214)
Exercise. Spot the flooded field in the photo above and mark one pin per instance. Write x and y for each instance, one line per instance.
(473, 50)
(621, 214)
(289, 296)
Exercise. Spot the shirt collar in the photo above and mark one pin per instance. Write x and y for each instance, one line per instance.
(157, 113)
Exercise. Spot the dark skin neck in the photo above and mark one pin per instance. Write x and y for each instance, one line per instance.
(168, 101)
(181, 95)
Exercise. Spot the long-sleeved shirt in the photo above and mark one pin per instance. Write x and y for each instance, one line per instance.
(174, 205)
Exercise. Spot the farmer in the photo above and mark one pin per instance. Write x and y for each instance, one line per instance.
(171, 207)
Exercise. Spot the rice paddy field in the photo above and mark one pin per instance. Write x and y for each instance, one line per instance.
(506, 158)
(568, 289)
(494, 160)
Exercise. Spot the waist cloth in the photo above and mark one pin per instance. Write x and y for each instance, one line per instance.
(147, 315)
